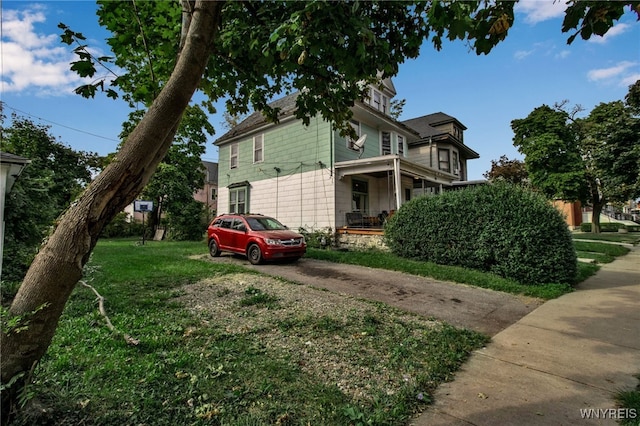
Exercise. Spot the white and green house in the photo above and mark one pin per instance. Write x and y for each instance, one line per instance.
(311, 177)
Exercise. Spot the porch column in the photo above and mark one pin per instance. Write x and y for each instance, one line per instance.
(397, 181)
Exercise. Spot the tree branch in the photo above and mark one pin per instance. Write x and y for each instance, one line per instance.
(130, 340)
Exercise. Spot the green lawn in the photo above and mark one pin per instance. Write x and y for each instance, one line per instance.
(219, 344)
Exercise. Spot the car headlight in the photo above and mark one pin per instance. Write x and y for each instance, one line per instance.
(272, 241)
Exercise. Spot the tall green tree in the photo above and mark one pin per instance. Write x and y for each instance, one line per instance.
(595, 160)
(610, 141)
(248, 52)
(56, 176)
(553, 158)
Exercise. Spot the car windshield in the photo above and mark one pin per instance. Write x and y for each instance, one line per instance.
(264, 224)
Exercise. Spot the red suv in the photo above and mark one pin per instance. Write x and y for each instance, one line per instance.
(256, 236)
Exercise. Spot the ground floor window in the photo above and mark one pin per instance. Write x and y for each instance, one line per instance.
(238, 199)
(360, 196)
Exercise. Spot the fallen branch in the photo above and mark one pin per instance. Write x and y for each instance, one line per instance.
(130, 340)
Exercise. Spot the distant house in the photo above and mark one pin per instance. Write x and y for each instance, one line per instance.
(311, 177)
(208, 195)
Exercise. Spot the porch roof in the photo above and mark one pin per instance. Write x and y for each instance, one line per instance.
(379, 166)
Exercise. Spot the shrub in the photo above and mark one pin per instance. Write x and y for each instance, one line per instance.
(500, 228)
(319, 238)
(609, 227)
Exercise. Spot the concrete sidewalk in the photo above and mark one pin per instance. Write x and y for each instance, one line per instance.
(570, 354)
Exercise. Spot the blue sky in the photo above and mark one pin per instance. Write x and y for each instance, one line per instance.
(533, 66)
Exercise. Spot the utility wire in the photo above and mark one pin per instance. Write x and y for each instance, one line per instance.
(5, 105)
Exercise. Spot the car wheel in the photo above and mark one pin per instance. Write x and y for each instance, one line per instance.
(214, 250)
(254, 254)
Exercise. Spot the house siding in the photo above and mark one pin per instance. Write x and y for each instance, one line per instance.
(289, 147)
(302, 199)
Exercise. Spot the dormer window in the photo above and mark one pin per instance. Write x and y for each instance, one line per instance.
(457, 133)
(377, 101)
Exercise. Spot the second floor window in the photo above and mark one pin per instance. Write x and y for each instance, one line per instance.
(443, 160)
(233, 156)
(456, 164)
(385, 143)
(350, 142)
(401, 145)
(258, 149)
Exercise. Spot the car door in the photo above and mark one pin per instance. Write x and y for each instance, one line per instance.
(225, 235)
(239, 235)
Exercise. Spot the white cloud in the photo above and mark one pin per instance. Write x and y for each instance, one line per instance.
(607, 73)
(31, 61)
(614, 31)
(623, 73)
(537, 10)
(521, 54)
(629, 80)
(563, 54)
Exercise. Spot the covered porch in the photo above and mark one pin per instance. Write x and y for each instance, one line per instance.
(370, 190)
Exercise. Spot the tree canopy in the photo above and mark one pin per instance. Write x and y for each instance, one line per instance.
(56, 175)
(504, 169)
(595, 159)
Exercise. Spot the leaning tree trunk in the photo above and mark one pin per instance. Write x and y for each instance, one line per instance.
(58, 266)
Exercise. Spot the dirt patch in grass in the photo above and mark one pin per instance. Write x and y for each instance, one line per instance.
(359, 346)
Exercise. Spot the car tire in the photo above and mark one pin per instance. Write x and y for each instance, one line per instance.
(214, 250)
(254, 254)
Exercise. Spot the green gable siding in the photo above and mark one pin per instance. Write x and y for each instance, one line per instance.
(371, 146)
(289, 146)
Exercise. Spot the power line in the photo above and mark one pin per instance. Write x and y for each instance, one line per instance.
(4, 104)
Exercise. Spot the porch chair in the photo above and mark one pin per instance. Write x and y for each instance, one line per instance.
(354, 219)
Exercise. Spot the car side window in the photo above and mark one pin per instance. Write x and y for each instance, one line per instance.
(239, 225)
(226, 223)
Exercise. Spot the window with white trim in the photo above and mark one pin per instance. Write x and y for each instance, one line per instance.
(233, 156)
(443, 160)
(385, 143)
(238, 200)
(401, 145)
(258, 149)
(360, 196)
(456, 163)
(350, 141)
(377, 101)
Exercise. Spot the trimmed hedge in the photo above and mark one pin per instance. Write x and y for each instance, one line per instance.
(500, 228)
(609, 227)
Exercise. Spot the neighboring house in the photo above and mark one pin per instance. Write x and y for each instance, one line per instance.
(209, 193)
(311, 177)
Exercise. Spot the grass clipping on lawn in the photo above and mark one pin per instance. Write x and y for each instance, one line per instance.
(368, 350)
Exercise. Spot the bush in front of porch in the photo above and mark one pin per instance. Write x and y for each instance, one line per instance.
(500, 228)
